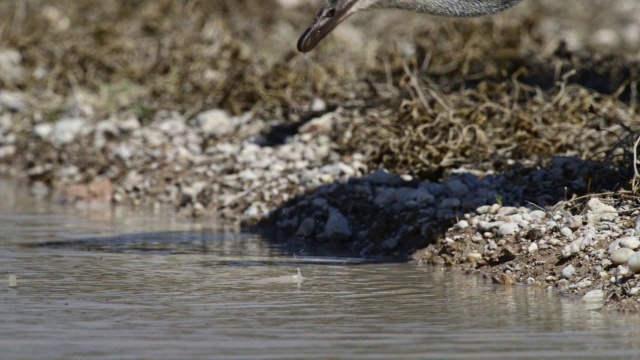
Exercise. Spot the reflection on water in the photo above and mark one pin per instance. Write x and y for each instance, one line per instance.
(240, 300)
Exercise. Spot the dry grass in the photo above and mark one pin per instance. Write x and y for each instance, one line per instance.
(479, 93)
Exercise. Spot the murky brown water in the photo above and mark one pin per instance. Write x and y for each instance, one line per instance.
(236, 297)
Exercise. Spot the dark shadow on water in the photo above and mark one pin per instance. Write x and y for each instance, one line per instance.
(228, 249)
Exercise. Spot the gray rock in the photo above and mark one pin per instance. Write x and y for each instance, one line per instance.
(11, 70)
(12, 101)
(584, 284)
(449, 203)
(7, 151)
(381, 177)
(336, 228)
(532, 248)
(457, 188)
(597, 211)
(216, 123)
(483, 209)
(129, 124)
(566, 232)
(629, 242)
(462, 224)
(422, 196)
(621, 256)
(507, 210)
(153, 137)
(574, 222)
(490, 225)
(572, 249)
(623, 270)
(307, 226)
(390, 244)
(433, 188)
(516, 218)
(507, 229)
(594, 295)
(568, 271)
(537, 215)
(172, 126)
(384, 196)
(634, 263)
(323, 124)
(66, 130)
(633, 291)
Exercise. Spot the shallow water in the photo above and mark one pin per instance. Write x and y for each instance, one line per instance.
(189, 293)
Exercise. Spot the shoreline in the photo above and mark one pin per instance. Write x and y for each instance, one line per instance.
(509, 157)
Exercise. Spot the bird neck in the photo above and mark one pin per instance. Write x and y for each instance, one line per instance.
(444, 7)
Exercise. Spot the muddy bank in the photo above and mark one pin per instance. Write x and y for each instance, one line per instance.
(207, 107)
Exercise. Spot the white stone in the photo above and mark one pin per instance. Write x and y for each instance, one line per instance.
(629, 242)
(621, 256)
(597, 211)
(568, 271)
(634, 263)
(537, 215)
(566, 232)
(66, 130)
(462, 224)
(507, 229)
(533, 248)
(594, 296)
(215, 123)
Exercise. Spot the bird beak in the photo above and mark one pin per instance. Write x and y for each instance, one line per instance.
(327, 19)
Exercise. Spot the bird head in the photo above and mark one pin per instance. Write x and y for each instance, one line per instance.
(330, 16)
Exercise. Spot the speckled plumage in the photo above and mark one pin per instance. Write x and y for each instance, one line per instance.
(456, 8)
(336, 11)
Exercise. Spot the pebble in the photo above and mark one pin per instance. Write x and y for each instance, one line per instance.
(382, 177)
(474, 257)
(621, 256)
(594, 296)
(537, 215)
(216, 123)
(566, 232)
(450, 203)
(629, 242)
(507, 229)
(597, 211)
(457, 188)
(634, 263)
(307, 226)
(66, 130)
(462, 224)
(337, 227)
(568, 271)
(623, 271)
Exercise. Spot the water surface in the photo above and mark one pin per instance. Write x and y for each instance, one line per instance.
(181, 291)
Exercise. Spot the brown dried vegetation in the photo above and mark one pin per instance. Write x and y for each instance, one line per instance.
(479, 93)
